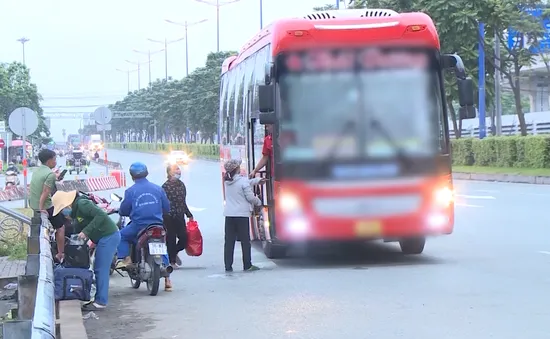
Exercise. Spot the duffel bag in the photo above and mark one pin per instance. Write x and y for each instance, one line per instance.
(73, 283)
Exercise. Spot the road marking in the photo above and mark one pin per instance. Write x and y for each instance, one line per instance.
(196, 209)
(544, 252)
(467, 205)
(488, 191)
(481, 197)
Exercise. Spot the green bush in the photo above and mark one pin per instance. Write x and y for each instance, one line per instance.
(205, 151)
(513, 151)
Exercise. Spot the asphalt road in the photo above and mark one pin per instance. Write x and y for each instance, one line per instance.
(487, 280)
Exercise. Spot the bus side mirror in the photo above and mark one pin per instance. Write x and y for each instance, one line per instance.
(465, 92)
(268, 118)
(467, 112)
(266, 98)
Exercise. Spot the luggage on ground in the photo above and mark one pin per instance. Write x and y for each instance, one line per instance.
(77, 253)
(73, 283)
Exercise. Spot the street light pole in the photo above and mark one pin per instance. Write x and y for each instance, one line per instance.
(128, 74)
(149, 53)
(186, 25)
(166, 43)
(261, 14)
(138, 70)
(23, 41)
(166, 59)
(218, 4)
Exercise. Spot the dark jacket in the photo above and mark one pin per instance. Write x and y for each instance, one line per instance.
(91, 220)
(177, 194)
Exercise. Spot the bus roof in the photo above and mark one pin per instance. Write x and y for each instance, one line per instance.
(341, 27)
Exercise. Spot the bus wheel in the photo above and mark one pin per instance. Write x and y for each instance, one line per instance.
(273, 251)
(412, 245)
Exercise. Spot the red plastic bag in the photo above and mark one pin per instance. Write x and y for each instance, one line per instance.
(194, 239)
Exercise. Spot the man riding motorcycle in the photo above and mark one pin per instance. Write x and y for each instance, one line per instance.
(145, 203)
(12, 167)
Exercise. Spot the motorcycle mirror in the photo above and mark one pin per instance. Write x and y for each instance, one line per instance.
(116, 197)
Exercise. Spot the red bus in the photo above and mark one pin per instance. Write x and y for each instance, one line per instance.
(356, 106)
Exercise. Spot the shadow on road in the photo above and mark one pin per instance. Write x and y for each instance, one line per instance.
(119, 320)
(355, 256)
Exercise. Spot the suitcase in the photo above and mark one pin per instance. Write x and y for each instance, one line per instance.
(73, 283)
(77, 253)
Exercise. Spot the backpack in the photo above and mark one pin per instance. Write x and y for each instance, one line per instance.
(73, 283)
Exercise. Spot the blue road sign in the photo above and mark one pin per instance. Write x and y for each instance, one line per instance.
(516, 39)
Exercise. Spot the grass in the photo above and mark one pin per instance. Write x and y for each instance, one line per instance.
(542, 172)
(14, 241)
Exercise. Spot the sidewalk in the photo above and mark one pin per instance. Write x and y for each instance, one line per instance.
(11, 268)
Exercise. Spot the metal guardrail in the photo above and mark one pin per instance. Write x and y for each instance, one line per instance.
(110, 164)
(35, 289)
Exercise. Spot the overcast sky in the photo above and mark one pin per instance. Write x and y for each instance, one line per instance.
(76, 47)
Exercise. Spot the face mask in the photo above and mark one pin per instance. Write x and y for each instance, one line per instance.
(177, 176)
(67, 211)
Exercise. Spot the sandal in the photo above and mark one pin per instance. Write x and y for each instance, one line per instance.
(167, 285)
(93, 306)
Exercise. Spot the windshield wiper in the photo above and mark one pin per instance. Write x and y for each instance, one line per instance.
(400, 153)
(349, 126)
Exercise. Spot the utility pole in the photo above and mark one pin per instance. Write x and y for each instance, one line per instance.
(186, 25)
(218, 4)
(23, 41)
(165, 42)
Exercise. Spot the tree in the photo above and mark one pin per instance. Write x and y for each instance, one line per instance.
(176, 105)
(16, 90)
(507, 16)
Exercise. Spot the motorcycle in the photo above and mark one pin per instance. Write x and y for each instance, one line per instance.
(12, 179)
(147, 265)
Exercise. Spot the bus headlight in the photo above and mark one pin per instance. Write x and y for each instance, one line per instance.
(290, 203)
(444, 197)
(436, 221)
(297, 226)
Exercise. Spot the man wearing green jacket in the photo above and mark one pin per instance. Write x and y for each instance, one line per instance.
(91, 222)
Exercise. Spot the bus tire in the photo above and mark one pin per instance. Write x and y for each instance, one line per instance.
(412, 245)
(274, 251)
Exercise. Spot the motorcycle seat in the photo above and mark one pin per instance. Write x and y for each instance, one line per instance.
(148, 228)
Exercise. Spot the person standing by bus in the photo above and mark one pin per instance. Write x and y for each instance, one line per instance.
(267, 153)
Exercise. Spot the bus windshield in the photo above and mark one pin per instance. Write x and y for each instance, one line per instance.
(335, 101)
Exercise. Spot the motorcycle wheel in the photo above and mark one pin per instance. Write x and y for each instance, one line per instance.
(153, 282)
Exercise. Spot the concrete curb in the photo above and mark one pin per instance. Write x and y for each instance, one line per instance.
(511, 178)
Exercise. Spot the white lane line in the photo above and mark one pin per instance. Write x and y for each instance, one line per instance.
(544, 252)
(488, 191)
(467, 205)
(196, 209)
(481, 197)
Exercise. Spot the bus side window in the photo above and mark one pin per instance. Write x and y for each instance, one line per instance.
(259, 135)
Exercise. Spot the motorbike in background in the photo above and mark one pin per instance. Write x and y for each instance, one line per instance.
(12, 179)
(147, 254)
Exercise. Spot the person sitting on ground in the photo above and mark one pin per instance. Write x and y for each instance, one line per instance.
(239, 199)
(40, 198)
(91, 222)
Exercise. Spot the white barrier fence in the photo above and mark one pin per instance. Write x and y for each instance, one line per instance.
(537, 123)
